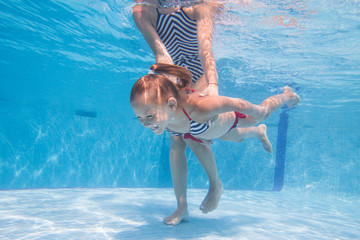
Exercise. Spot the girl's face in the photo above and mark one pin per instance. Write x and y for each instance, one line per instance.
(153, 116)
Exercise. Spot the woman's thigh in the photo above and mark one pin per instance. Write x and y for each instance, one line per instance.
(200, 84)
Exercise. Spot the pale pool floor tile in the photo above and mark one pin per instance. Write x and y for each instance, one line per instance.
(130, 213)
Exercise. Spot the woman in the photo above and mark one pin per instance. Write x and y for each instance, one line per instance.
(183, 36)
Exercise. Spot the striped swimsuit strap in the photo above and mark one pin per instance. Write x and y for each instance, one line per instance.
(179, 34)
(195, 127)
(173, 132)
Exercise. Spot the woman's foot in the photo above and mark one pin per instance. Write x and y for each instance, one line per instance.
(212, 198)
(181, 214)
(263, 138)
(293, 97)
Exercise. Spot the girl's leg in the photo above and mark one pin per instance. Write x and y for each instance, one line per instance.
(207, 160)
(288, 97)
(178, 166)
(239, 134)
(262, 111)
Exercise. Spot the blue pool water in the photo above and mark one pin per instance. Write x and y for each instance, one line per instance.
(66, 70)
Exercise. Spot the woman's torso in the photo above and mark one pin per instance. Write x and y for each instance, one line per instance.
(177, 29)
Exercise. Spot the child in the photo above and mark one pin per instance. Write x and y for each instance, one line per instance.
(162, 105)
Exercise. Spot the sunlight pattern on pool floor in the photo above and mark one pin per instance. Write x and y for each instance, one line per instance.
(137, 214)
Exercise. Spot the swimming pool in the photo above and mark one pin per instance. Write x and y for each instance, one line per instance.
(67, 131)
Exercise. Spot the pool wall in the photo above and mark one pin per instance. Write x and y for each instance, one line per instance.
(85, 135)
(66, 72)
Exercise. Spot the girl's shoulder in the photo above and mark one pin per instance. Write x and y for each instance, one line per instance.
(197, 104)
(199, 108)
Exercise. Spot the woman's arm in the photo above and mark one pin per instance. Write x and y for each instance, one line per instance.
(204, 20)
(145, 18)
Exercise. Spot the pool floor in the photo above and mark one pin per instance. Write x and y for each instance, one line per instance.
(137, 213)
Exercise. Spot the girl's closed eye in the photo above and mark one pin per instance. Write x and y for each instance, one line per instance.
(147, 117)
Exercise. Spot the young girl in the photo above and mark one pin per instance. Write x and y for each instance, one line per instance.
(162, 105)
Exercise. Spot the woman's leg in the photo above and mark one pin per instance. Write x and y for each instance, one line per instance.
(178, 166)
(206, 158)
(240, 134)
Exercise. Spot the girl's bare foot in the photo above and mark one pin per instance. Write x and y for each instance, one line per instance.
(263, 138)
(181, 214)
(293, 97)
(212, 198)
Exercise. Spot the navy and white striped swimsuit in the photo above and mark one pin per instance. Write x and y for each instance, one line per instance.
(195, 127)
(179, 34)
(198, 128)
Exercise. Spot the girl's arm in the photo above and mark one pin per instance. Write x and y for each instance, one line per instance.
(145, 18)
(207, 107)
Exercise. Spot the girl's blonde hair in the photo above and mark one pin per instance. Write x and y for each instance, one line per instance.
(161, 86)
